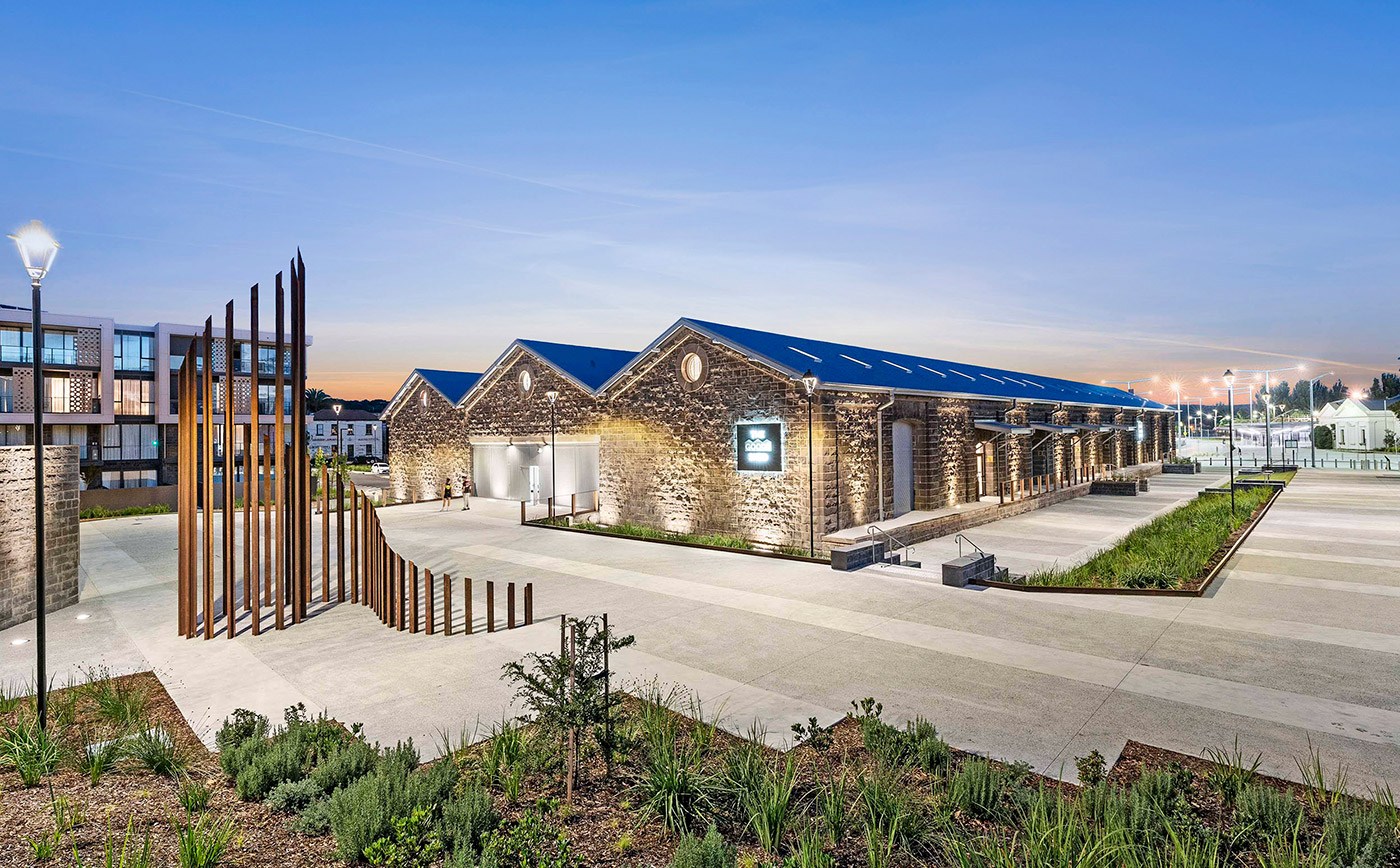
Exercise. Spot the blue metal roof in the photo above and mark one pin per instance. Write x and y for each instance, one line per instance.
(452, 384)
(591, 366)
(838, 365)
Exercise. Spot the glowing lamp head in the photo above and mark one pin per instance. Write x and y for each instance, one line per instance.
(809, 382)
(36, 249)
(1229, 377)
(337, 408)
(552, 395)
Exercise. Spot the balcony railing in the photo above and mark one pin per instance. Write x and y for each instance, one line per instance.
(52, 356)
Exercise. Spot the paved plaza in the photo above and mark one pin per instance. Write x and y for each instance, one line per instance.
(1298, 642)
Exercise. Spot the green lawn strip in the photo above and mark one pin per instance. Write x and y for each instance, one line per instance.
(1167, 551)
(1285, 477)
(104, 512)
(644, 531)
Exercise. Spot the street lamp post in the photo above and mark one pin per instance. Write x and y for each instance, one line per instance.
(553, 396)
(1268, 395)
(1230, 384)
(809, 385)
(339, 443)
(37, 250)
(1312, 419)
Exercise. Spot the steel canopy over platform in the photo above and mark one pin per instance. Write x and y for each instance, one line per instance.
(1000, 427)
(1053, 428)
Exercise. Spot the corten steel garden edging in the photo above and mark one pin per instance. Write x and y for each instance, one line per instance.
(1147, 592)
(543, 522)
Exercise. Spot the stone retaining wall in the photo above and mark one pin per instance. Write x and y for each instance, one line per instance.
(17, 531)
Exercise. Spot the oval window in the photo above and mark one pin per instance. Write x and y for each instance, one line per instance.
(692, 367)
(526, 382)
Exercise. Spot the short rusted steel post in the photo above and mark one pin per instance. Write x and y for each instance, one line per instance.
(446, 605)
(428, 599)
(510, 605)
(490, 606)
(413, 597)
(529, 603)
(522, 512)
(403, 582)
(468, 605)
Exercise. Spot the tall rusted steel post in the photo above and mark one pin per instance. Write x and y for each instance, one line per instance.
(266, 507)
(208, 477)
(300, 422)
(325, 535)
(354, 544)
(186, 514)
(339, 537)
(254, 439)
(250, 548)
(279, 453)
(230, 470)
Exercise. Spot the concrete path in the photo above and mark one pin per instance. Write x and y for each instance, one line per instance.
(1298, 643)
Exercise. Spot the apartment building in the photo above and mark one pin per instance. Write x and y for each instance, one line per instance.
(358, 433)
(109, 389)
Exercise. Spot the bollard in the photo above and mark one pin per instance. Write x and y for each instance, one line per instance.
(490, 606)
(510, 605)
(413, 598)
(529, 603)
(522, 512)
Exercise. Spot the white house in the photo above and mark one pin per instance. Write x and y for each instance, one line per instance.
(1360, 423)
(359, 433)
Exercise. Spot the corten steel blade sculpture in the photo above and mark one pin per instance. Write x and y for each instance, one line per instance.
(276, 562)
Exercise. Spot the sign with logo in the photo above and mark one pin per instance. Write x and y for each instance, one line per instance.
(1290, 444)
(759, 445)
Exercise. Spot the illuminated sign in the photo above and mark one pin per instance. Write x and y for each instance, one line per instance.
(759, 445)
(1141, 431)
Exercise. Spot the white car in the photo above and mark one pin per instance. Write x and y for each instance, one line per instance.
(380, 467)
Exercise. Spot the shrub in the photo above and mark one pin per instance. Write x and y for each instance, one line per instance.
(530, 841)
(30, 749)
(293, 797)
(809, 853)
(1092, 768)
(203, 841)
(831, 800)
(122, 512)
(193, 795)
(1231, 773)
(315, 818)
(120, 702)
(1353, 835)
(707, 852)
(888, 813)
(243, 725)
(155, 749)
(1323, 438)
(352, 762)
(1267, 811)
(467, 818)
(364, 811)
(272, 763)
(977, 788)
(414, 843)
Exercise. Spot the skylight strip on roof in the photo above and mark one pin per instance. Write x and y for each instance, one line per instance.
(807, 354)
(857, 361)
(961, 374)
(893, 365)
(994, 379)
(1034, 383)
(932, 371)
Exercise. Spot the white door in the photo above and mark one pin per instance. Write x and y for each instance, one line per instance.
(903, 467)
(534, 471)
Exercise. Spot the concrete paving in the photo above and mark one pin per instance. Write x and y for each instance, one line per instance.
(1297, 643)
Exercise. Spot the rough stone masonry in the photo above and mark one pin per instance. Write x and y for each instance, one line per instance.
(17, 530)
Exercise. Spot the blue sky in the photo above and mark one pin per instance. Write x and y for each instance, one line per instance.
(1095, 190)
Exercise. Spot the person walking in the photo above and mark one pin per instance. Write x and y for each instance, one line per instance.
(446, 493)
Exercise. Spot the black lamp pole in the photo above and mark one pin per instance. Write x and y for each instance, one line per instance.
(553, 396)
(37, 250)
(1230, 384)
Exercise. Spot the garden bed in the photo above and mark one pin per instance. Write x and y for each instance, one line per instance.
(684, 793)
(713, 542)
(1177, 554)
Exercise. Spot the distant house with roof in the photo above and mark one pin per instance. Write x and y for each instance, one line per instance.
(358, 434)
(1361, 423)
(427, 433)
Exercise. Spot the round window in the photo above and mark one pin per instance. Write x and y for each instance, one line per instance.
(692, 367)
(526, 381)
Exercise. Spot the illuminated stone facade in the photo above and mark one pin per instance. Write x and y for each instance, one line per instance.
(500, 409)
(17, 531)
(427, 444)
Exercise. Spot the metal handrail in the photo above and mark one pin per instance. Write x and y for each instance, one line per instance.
(960, 539)
(872, 530)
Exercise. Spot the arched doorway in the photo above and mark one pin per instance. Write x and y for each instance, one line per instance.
(903, 438)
